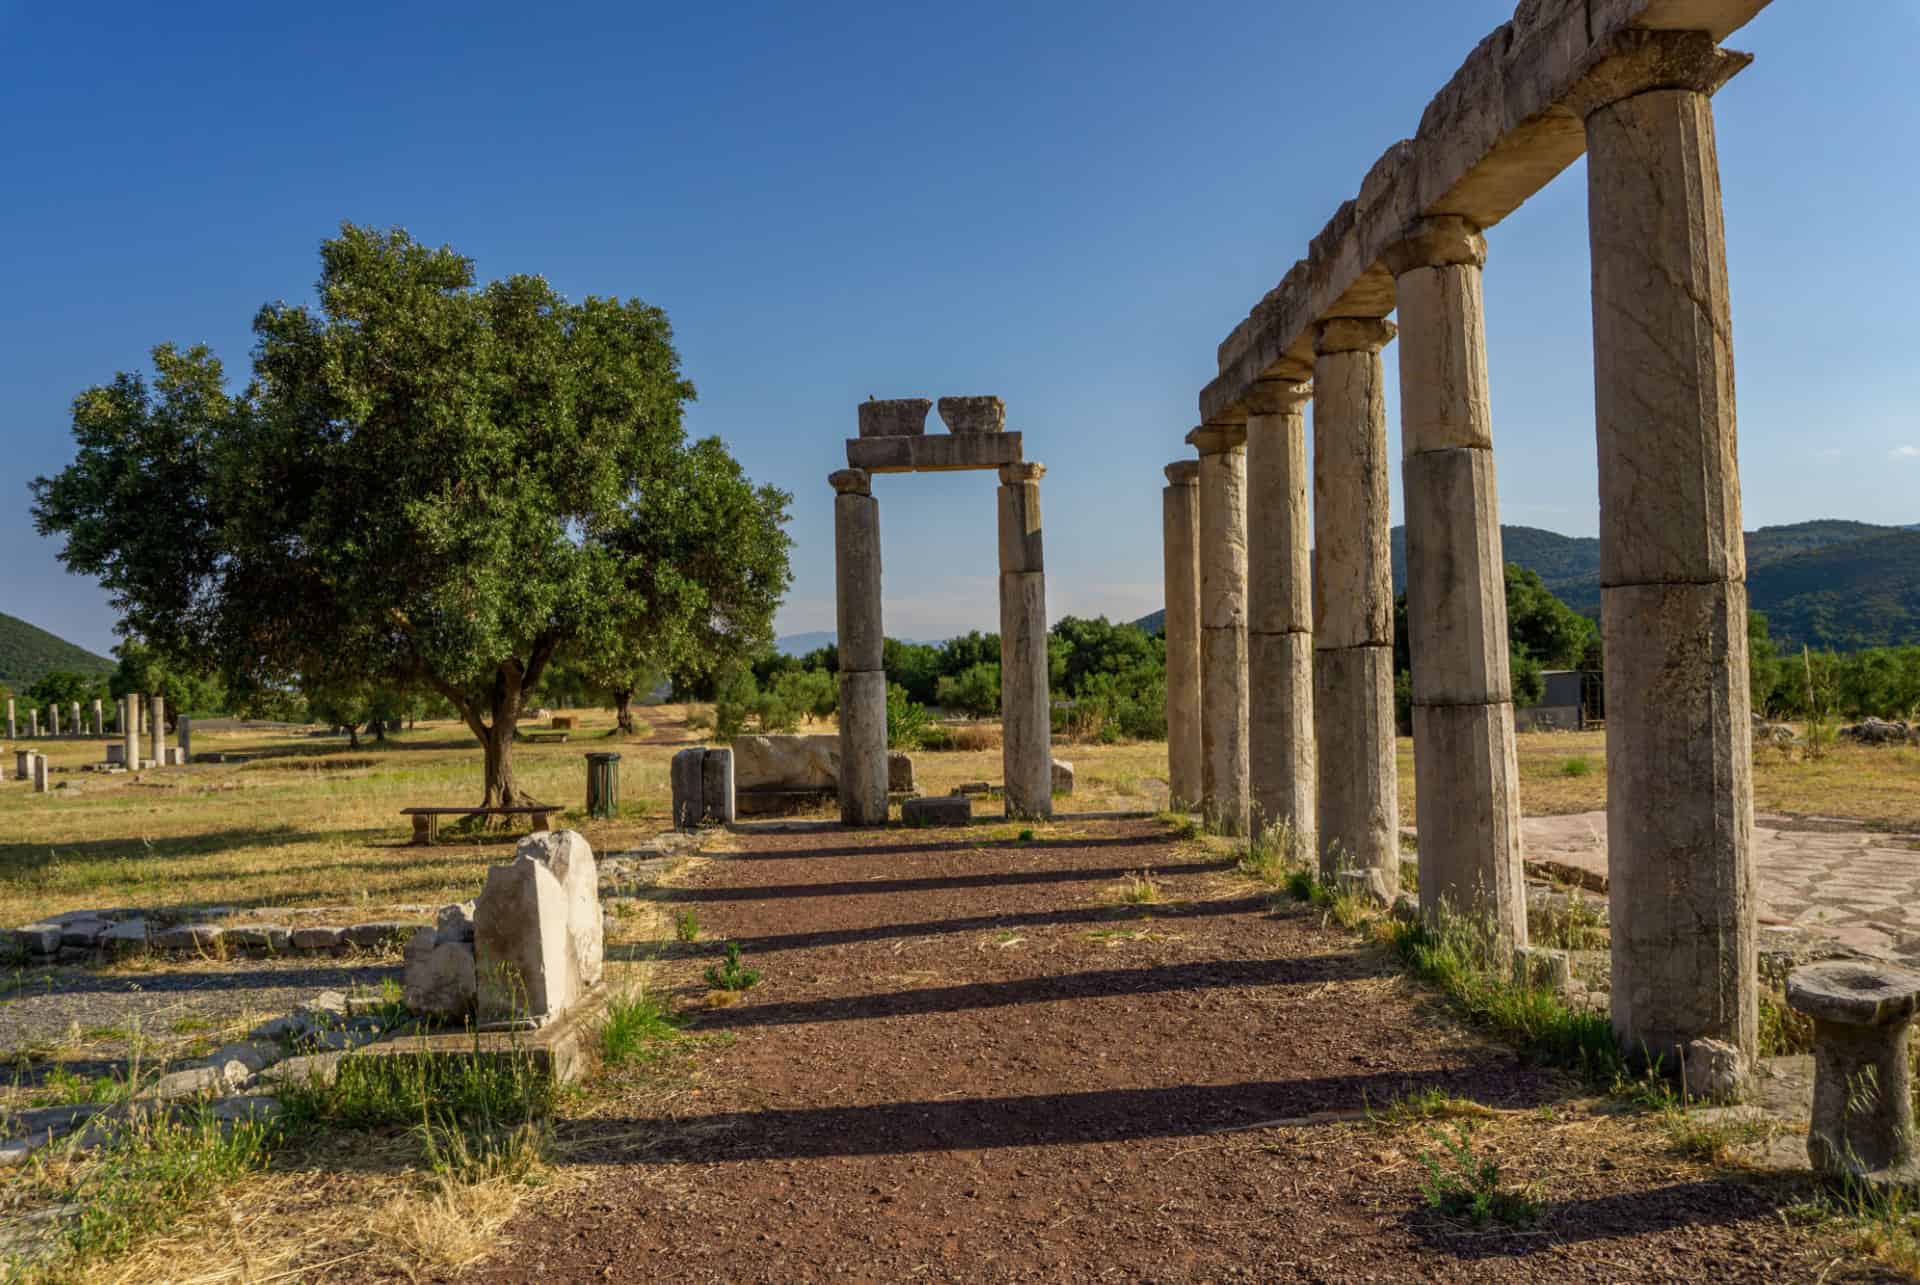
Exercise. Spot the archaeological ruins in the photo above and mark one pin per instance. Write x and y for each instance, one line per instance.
(1279, 638)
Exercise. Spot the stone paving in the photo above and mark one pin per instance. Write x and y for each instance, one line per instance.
(1860, 887)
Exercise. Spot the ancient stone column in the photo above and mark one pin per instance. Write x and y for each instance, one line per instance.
(1353, 606)
(99, 718)
(1673, 596)
(1466, 774)
(1223, 625)
(79, 728)
(185, 728)
(130, 731)
(34, 714)
(1026, 738)
(863, 678)
(1281, 768)
(53, 719)
(158, 732)
(1180, 532)
(39, 774)
(13, 721)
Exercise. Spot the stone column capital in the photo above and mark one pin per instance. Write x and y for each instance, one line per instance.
(1026, 471)
(1445, 240)
(1217, 439)
(1278, 396)
(1353, 334)
(1636, 61)
(1183, 473)
(851, 481)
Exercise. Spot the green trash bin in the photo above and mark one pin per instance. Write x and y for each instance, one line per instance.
(603, 785)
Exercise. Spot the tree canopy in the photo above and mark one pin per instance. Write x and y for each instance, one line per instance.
(428, 483)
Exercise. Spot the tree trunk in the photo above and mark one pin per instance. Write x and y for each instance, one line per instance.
(380, 730)
(623, 701)
(353, 736)
(498, 739)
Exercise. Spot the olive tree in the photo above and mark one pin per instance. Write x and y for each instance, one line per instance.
(428, 484)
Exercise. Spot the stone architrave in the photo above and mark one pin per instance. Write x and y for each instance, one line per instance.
(1358, 799)
(1180, 534)
(1673, 597)
(1280, 752)
(1026, 744)
(1223, 625)
(539, 941)
(158, 730)
(863, 679)
(1467, 777)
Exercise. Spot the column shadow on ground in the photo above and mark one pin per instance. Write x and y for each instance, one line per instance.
(929, 883)
(953, 845)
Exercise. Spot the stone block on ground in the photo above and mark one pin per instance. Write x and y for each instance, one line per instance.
(441, 980)
(188, 937)
(951, 809)
(1062, 777)
(786, 762)
(1373, 885)
(269, 937)
(1541, 966)
(899, 772)
(83, 932)
(127, 936)
(382, 934)
(38, 939)
(454, 922)
(687, 773)
(717, 786)
(1716, 1072)
(538, 943)
(318, 937)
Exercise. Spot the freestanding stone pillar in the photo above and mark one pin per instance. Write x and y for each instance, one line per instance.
(79, 728)
(1223, 625)
(1673, 596)
(130, 731)
(863, 677)
(1280, 611)
(99, 718)
(1353, 606)
(1467, 777)
(40, 774)
(34, 714)
(158, 732)
(185, 727)
(13, 721)
(1180, 532)
(53, 719)
(1026, 736)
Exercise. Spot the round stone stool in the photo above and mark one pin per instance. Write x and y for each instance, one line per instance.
(1862, 1091)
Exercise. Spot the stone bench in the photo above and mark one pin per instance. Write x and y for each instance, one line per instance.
(1862, 1092)
(545, 737)
(426, 821)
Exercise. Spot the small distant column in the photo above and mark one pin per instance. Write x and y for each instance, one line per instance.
(1180, 533)
(34, 714)
(13, 721)
(1467, 778)
(79, 728)
(185, 726)
(1673, 595)
(53, 719)
(1223, 624)
(863, 676)
(1280, 611)
(159, 731)
(130, 730)
(99, 718)
(39, 774)
(1026, 744)
(1353, 605)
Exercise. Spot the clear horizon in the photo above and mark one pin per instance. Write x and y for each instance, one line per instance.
(1067, 207)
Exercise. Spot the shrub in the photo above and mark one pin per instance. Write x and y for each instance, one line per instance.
(975, 690)
(1460, 1185)
(907, 720)
(728, 975)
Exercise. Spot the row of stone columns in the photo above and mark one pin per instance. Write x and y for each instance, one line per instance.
(1673, 599)
(74, 725)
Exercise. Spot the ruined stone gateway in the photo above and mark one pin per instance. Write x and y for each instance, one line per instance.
(1262, 634)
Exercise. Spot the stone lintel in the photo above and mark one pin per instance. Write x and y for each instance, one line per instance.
(1497, 132)
(1183, 473)
(934, 454)
(1213, 439)
(851, 481)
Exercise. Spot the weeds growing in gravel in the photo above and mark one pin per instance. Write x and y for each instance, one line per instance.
(1577, 926)
(1459, 1184)
(1138, 890)
(1274, 854)
(1430, 1103)
(636, 1026)
(686, 927)
(1782, 1030)
(728, 975)
(1180, 823)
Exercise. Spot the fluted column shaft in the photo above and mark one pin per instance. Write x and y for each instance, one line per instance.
(1672, 557)
(1353, 605)
(1466, 773)
(1281, 757)
(1223, 625)
(1026, 737)
(1180, 531)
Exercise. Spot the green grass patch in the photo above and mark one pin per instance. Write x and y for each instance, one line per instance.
(1460, 1185)
(1423, 1105)
(636, 1029)
(686, 926)
(480, 1090)
(1577, 766)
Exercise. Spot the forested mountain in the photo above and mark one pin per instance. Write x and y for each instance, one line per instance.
(28, 652)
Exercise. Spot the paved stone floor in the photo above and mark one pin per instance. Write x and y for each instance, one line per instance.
(1860, 887)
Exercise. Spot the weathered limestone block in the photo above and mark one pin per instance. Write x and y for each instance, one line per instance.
(1377, 887)
(126, 937)
(1225, 746)
(188, 937)
(538, 935)
(1021, 546)
(318, 937)
(896, 417)
(1862, 1080)
(1352, 563)
(40, 785)
(950, 809)
(786, 762)
(1358, 789)
(1680, 815)
(899, 772)
(1542, 967)
(1467, 801)
(1456, 579)
(687, 779)
(273, 938)
(717, 785)
(1716, 1071)
(1026, 731)
(1223, 532)
(973, 414)
(863, 747)
(1062, 777)
(454, 922)
(38, 939)
(1279, 534)
(157, 730)
(1280, 750)
(1444, 400)
(856, 543)
(1180, 528)
(440, 979)
(934, 454)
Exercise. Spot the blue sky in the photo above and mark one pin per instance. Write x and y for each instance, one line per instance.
(1067, 204)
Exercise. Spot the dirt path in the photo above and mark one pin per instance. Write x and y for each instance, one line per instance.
(966, 1062)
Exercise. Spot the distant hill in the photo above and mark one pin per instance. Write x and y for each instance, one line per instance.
(28, 653)
(1829, 583)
